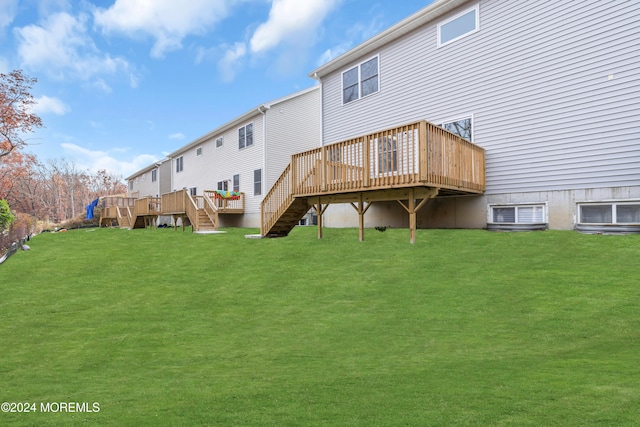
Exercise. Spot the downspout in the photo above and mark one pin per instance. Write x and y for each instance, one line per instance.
(319, 80)
(263, 110)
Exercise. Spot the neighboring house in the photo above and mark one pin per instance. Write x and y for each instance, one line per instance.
(154, 180)
(248, 153)
(550, 89)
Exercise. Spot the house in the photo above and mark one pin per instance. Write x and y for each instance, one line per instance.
(240, 159)
(549, 89)
(152, 180)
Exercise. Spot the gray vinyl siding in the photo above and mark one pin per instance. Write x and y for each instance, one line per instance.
(535, 78)
(293, 126)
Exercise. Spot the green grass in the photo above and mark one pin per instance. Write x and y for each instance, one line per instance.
(463, 328)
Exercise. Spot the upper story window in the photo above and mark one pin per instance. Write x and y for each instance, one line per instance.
(199, 151)
(461, 127)
(219, 142)
(245, 136)
(361, 80)
(179, 164)
(154, 175)
(130, 185)
(458, 26)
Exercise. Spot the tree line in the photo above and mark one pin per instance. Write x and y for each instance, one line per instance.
(54, 190)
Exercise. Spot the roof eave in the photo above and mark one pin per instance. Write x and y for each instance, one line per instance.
(423, 16)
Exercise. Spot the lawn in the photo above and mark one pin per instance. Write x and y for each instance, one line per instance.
(466, 327)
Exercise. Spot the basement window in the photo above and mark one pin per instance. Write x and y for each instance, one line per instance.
(609, 213)
(517, 217)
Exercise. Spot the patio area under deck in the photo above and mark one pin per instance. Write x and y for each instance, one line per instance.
(409, 164)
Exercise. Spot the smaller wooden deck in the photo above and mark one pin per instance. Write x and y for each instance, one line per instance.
(410, 164)
(203, 212)
(116, 211)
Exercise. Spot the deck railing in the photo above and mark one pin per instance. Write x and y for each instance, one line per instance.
(416, 154)
(192, 204)
(174, 202)
(148, 206)
(117, 201)
(276, 201)
(225, 205)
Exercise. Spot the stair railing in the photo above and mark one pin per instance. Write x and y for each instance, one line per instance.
(276, 201)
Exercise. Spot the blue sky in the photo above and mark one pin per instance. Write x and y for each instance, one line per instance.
(121, 83)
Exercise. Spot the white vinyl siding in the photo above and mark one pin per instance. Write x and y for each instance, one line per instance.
(545, 109)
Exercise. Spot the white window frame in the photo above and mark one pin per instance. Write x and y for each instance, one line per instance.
(220, 142)
(259, 183)
(516, 206)
(614, 211)
(131, 185)
(154, 175)
(193, 191)
(236, 178)
(198, 151)
(453, 18)
(179, 164)
(244, 144)
(359, 84)
(457, 119)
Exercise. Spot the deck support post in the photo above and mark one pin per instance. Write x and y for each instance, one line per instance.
(413, 208)
(361, 209)
(320, 211)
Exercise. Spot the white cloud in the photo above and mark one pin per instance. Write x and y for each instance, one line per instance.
(177, 135)
(167, 21)
(61, 46)
(46, 104)
(8, 10)
(95, 160)
(291, 22)
(229, 64)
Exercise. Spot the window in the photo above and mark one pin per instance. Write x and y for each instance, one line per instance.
(219, 142)
(179, 164)
(223, 185)
(360, 81)
(610, 213)
(130, 185)
(458, 26)
(154, 175)
(518, 214)
(257, 182)
(245, 136)
(236, 183)
(199, 151)
(461, 127)
(387, 154)
(192, 191)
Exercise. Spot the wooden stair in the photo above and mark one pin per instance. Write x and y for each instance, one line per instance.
(289, 218)
(139, 222)
(204, 222)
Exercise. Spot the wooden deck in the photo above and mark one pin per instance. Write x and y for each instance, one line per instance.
(203, 212)
(410, 164)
